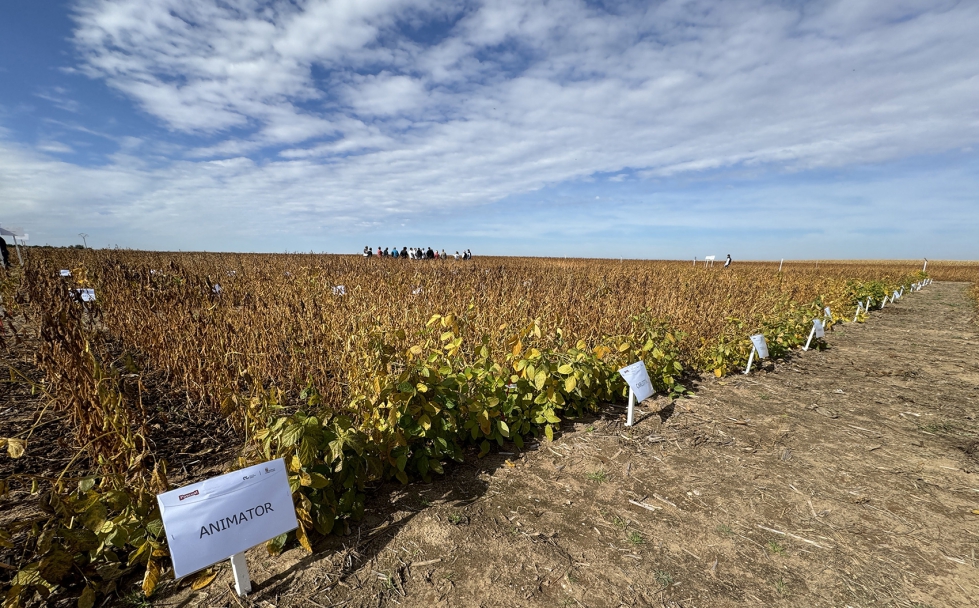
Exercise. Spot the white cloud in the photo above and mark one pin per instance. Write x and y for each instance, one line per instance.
(366, 116)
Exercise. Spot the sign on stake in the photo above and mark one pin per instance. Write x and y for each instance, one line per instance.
(221, 517)
(758, 345)
(640, 388)
(339, 290)
(818, 331)
(86, 295)
(65, 273)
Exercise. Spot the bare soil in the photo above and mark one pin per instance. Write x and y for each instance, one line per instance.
(847, 476)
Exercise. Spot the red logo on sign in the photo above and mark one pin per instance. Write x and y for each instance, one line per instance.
(194, 493)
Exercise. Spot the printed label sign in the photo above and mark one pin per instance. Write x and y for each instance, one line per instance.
(87, 295)
(828, 313)
(818, 326)
(339, 290)
(637, 378)
(66, 273)
(760, 345)
(211, 520)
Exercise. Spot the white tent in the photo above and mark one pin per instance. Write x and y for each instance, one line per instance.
(16, 234)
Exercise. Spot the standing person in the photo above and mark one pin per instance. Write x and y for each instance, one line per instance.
(443, 254)
(378, 251)
(404, 253)
(469, 254)
(430, 254)
(386, 252)
(436, 254)
(456, 256)
(394, 253)
(4, 253)
(367, 251)
(727, 262)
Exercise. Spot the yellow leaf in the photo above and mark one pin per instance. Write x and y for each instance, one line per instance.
(425, 422)
(570, 383)
(517, 348)
(16, 447)
(302, 538)
(151, 578)
(204, 579)
(718, 372)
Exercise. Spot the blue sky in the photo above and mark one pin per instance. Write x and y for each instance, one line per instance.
(669, 129)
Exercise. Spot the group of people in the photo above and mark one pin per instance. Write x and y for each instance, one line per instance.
(416, 253)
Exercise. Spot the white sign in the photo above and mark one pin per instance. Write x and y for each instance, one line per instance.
(637, 378)
(66, 273)
(817, 326)
(212, 520)
(216, 288)
(87, 295)
(760, 345)
(339, 290)
(828, 312)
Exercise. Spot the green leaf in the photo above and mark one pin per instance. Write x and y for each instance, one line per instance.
(87, 598)
(55, 565)
(277, 544)
(291, 435)
(504, 429)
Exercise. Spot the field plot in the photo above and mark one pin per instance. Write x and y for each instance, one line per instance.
(364, 373)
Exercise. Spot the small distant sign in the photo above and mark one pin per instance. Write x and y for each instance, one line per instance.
(211, 520)
(339, 290)
(819, 330)
(761, 346)
(86, 295)
(637, 378)
(66, 273)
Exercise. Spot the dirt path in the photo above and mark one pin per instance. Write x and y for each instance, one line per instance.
(844, 477)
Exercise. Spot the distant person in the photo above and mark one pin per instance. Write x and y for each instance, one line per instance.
(386, 252)
(404, 253)
(394, 253)
(469, 254)
(436, 254)
(4, 253)
(430, 254)
(456, 256)
(367, 251)
(443, 255)
(727, 262)
(378, 252)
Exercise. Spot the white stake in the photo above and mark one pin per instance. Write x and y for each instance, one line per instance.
(632, 408)
(751, 358)
(239, 569)
(856, 314)
(925, 267)
(780, 264)
(812, 333)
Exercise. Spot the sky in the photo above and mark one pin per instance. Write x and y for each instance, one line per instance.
(669, 130)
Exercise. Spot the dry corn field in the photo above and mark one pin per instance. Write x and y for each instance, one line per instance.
(356, 370)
